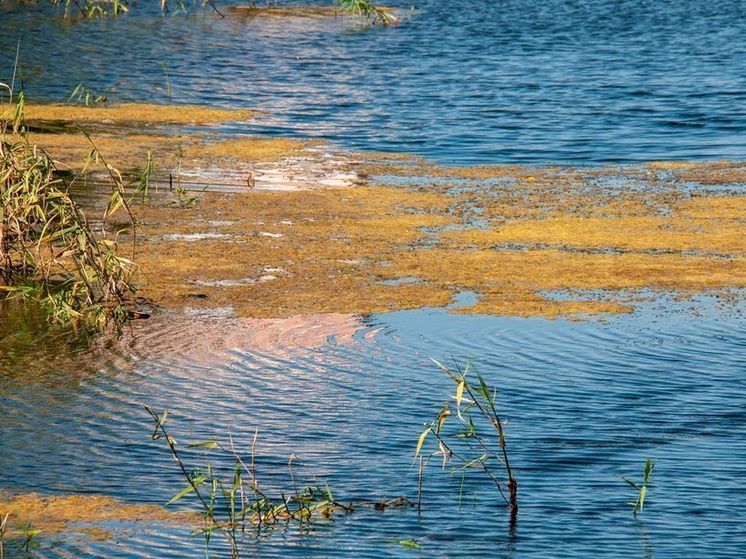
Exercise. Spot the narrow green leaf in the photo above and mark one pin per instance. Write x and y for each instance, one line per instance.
(188, 489)
(204, 444)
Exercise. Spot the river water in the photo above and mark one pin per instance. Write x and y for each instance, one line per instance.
(482, 81)
(586, 402)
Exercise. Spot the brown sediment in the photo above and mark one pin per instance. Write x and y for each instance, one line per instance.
(132, 113)
(80, 513)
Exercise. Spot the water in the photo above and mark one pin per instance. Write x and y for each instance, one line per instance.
(476, 82)
(587, 402)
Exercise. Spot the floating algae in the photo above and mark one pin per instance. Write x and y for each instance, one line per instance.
(80, 513)
(511, 234)
(132, 113)
(546, 230)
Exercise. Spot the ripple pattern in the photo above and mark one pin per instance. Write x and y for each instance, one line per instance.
(523, 81)
(586, 402)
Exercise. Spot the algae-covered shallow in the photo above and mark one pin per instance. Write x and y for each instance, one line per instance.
(536, 231)
(123, 114)
(298, 289)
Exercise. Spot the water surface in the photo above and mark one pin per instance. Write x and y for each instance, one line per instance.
(587, 402)
(483, 81)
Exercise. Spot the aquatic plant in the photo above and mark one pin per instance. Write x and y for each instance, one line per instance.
(29, 537)
(233, 505)
(409, 544)
(476, 439)
(82, 95)
(105, 8)
(49, 253)
(642, 488)
(112, 8)
(169, 91)
(368, 10)
(3, 524)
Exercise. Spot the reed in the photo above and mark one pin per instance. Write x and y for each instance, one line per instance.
(82, 95)
(49, 253)
(3, 525)
(368, 10)
(231, 506)
(641, 488)
(90, 9)
(475, 440)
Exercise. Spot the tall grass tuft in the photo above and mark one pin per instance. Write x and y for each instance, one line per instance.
(49, 253)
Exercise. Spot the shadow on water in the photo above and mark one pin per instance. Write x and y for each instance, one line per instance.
(33, 351)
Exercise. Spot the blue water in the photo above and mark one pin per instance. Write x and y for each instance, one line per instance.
(586, 403)
(470, 82)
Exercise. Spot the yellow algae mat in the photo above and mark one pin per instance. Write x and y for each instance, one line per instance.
(514, 241)
(528, 241)
(127, 134)
(79, 513)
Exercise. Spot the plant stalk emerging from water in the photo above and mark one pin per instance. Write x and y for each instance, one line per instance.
(465, 442)
(231, 506)
(642, 488)
(368, 10)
